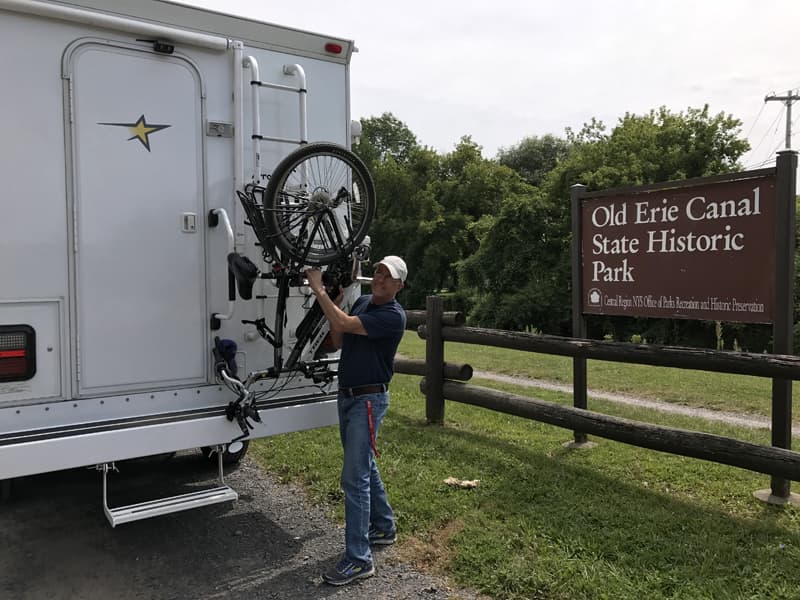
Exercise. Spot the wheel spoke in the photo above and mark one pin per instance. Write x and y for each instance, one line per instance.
(331, 229)
(319, 205)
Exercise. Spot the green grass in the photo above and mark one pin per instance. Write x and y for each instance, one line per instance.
(615, 522)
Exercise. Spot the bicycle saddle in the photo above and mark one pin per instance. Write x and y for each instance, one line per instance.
(245, 273)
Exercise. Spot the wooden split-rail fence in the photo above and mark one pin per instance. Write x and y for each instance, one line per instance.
(445, 381)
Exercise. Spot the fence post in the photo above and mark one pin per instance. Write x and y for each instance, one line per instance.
(578, 320)
(783, 322)
(434, 361)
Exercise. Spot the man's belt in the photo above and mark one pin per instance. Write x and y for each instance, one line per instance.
(363, 390)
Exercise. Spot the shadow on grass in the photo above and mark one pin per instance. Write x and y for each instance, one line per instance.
(561, 518)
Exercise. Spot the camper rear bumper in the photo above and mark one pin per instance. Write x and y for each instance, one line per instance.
(54, 449)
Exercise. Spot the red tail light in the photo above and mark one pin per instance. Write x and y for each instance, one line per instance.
(332, 48)
(17, 352)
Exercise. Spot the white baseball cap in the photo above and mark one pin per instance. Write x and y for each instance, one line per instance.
(396, 265)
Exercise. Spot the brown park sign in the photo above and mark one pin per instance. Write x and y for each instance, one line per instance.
(700, 252)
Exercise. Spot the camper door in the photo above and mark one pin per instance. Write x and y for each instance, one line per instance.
(139, 307)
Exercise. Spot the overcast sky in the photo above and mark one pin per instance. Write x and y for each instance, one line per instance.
(500, 70)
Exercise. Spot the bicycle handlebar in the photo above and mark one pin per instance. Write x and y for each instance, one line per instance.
(235, 383)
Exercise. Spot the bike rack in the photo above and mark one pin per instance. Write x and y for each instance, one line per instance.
(163, 506)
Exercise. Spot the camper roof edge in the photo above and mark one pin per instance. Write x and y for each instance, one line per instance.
(210, 27)
(81, 15)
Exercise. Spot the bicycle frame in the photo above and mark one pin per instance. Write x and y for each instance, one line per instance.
(314, 211)
(309, 337)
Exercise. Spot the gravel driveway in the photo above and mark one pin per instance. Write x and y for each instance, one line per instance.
(55, 542)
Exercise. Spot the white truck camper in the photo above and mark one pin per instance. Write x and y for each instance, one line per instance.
(163, 188)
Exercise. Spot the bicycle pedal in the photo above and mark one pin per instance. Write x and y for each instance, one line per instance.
(252, 412)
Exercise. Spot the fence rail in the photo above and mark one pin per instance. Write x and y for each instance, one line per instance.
(438, 384)
(706, 446)
(764, 365)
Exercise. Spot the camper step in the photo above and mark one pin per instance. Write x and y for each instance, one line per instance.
(170, 504)
(163, 506)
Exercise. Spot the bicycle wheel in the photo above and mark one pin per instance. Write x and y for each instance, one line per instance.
(319, 203)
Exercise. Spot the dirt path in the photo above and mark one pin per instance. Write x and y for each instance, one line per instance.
(668, 407)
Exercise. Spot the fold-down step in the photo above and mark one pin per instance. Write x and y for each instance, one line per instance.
(163, 506)
(170, 504)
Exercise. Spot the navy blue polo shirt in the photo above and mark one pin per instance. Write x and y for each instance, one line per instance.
(369, 359)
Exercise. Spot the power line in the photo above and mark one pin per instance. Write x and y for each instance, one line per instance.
(771, 158)
(788, 99)
(758, 165)
(758, 116)
(768, 129)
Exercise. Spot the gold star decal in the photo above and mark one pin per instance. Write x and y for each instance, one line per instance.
(141, 130)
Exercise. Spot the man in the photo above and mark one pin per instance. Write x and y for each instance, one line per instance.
(368, 337)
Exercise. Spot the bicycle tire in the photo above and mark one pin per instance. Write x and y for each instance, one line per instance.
(319, 203)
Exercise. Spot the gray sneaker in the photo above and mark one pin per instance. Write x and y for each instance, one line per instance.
(381, 538)
(346, 571)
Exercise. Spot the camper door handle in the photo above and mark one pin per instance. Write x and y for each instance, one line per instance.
(216, 215)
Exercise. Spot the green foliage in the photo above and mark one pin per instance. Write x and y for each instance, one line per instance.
(431, 208)
(534, 157)
(494, 236)
(659, 146)
(534, 233)
(511, 274)
(384, 137)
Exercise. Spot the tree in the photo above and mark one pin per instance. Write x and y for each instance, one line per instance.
(404, 206)
(383, 137)
(514, 274)
(429, 205)
(527, 248)
(469, 189)
(656, 147)
(534, 157)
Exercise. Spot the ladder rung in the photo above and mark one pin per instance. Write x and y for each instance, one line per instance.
(278, 86)
(269, 138)
(163, 506)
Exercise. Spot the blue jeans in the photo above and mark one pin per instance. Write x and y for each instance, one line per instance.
(365, 501)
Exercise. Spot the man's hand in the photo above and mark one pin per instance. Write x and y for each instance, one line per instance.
(314, 277)
(340, 321)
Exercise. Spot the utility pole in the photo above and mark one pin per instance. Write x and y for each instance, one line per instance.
(789, 98)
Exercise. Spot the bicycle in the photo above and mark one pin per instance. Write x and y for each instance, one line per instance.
(314, 212)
